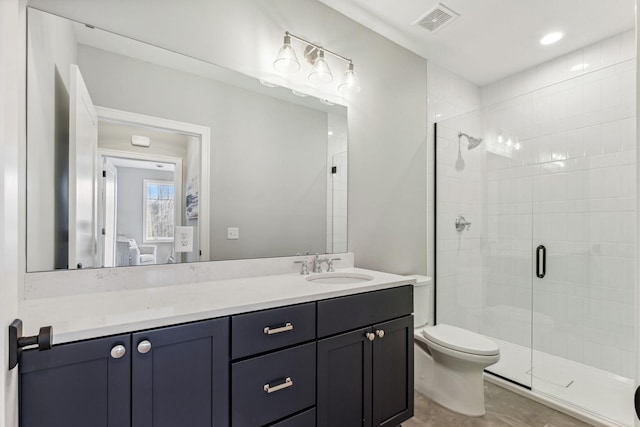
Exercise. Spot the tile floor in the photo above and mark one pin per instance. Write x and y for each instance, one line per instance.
(504, 408)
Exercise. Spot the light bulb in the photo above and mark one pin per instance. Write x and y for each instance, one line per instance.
(350, 81)
(320, 72)
(286, 60)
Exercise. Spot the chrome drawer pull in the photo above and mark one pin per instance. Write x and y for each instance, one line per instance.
(288, 382)
(287, 327)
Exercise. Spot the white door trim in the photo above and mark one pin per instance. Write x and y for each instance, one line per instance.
(201, 132)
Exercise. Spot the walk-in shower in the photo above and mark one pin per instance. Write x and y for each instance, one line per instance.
(553, 166)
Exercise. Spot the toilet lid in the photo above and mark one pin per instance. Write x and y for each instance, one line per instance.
(460, 340)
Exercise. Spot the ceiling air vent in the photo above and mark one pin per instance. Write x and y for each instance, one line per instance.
(437, 18)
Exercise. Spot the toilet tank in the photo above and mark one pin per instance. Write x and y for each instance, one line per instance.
(422, 300)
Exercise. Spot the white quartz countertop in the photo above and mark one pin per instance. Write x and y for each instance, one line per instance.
(85, 316)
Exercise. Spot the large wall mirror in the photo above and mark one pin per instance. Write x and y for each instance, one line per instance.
(137, 155)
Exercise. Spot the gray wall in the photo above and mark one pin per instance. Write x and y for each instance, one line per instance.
(387, 120)
(268, 157)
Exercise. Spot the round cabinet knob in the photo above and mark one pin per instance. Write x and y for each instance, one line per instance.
(380, 333)
(144, 347)
(118, 351)
(370, 336)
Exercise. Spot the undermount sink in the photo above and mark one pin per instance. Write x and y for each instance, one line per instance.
(338, 278)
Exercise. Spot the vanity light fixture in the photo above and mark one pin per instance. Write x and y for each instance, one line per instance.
(287, 61)
(320, 72)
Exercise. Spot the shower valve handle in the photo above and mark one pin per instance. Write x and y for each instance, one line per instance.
(462, 224)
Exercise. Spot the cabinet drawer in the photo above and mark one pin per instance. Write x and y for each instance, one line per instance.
(267, 330)
(305, 419)
(270, 387)
(356, 311)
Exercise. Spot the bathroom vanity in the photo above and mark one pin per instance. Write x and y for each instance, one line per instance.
(273, 350)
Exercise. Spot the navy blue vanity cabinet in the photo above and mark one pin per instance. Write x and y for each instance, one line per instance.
(344, 380)
(273, 374)
(393, 372)
(180, 375)
(77, 385)
(365, 375)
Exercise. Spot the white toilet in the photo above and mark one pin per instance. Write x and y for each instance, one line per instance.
(449, 361)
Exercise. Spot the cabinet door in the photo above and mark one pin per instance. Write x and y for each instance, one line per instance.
(344, 380)
(181, 375)
(393, 372)
(77, 385)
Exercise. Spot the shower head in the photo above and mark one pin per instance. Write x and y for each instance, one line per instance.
(473, 142)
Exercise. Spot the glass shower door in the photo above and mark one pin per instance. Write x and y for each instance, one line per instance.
(584, 222)
(484, 273)
(508, 309)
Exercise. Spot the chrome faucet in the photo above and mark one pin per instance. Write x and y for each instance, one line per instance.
(330, 264)
(317, 263)
(305, 267)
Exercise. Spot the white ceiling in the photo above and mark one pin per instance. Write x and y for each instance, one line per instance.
(492, 38)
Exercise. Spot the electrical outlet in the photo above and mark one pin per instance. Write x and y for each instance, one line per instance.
(233, 233)
(183, 239)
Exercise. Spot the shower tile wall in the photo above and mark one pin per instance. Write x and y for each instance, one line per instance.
(458, 265)
(560, 166)
(337, 184)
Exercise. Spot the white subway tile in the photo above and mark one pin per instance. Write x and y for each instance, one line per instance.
(628, 45)
(611, 50)
(628, 134)
(593, 56)
(574, 61)
(592, 140)
(611, 137)
(592, 96)
(611, 92)
(575, 145)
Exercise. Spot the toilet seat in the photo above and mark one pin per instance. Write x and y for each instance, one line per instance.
(460, 340)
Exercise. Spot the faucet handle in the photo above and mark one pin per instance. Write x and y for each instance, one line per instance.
(330, 264)
(305, 267)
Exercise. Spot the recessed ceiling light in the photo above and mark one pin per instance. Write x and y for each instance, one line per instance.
(551, 38)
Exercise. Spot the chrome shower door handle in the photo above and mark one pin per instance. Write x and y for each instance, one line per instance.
(541, 261)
